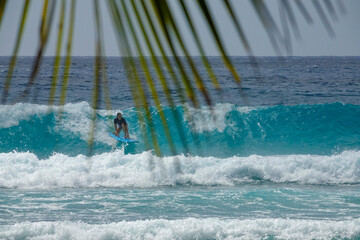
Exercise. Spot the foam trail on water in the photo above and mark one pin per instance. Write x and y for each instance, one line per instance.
(189, 228)
(116, 169)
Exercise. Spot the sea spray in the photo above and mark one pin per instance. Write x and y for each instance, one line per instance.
(189, 228)
(116, 169)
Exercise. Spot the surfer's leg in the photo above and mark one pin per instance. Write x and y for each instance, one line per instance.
(126, 131)
(117, 132)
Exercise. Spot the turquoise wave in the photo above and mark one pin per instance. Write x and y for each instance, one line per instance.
(223, 131)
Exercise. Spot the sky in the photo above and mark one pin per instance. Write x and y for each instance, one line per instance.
(314, 40)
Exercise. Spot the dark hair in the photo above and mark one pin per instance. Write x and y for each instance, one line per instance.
(118, 114)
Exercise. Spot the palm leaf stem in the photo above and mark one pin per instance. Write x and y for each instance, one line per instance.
(162, 23)
(43, 20)
(2, 9)
(172, 24)
(97, 76)
(201, 49)
(304, 12)
(148, 78)
(134, 80)
(174, 78)
(331, 9)
(58, 52)
(161, 77)
(242, 37)
(341, 6)
(269, 25)
(323, 18)
(291, 18)
(239, 29)
(15, 52)
(163, 54)
(65, 80)
(204, 9)
(286, 31)
(144, 103)
(124, 46)
(186, 81)
(47, 17)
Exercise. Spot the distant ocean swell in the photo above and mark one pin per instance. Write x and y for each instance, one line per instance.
(190, 228)
(322, 129)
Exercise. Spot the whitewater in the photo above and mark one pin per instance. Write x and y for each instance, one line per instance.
(281, 161)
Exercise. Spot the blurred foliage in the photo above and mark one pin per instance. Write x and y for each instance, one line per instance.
(151, 27)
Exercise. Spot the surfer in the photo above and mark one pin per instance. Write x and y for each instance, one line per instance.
(120, 123)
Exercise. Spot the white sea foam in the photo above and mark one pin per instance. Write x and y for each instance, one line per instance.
(78, 122)
(190, 228)
(75, 118)
(206, 119)
(115, 169)
(11, 115)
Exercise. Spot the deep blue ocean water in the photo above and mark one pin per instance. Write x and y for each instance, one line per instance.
(280, 159)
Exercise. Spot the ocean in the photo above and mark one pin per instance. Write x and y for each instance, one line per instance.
(277, 157)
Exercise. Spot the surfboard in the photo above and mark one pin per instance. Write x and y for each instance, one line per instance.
(122, 139)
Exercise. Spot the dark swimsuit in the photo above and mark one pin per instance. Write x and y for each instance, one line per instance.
(120, 122)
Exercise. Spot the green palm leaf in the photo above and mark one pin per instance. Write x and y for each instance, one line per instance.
(16, 48)
(65, 80)
(152, 27)
(57, 54)
(200, 47)
(2, 9)
(220, 45)
(46, 21)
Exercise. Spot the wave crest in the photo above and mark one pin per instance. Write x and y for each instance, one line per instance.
(116, 169)
(223, 131)
(189, 228)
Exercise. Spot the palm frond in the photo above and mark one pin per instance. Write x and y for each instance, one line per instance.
(97, 76)
(165, 88)
(269, 24)
(239, 29)
(171, 24)
(323, 17)
(331, 9)
(148, 77)
(152, 27)
(57, 54)
(290, 15)
(211, 73)
(158, 44)
(304, 12)
(135, 83)
(16, 48)
(341, 7)
(2, 9)
(220, 45)
(163, 22)
(65, 79)
(46, 21)
(161, 76)
(242, 35)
